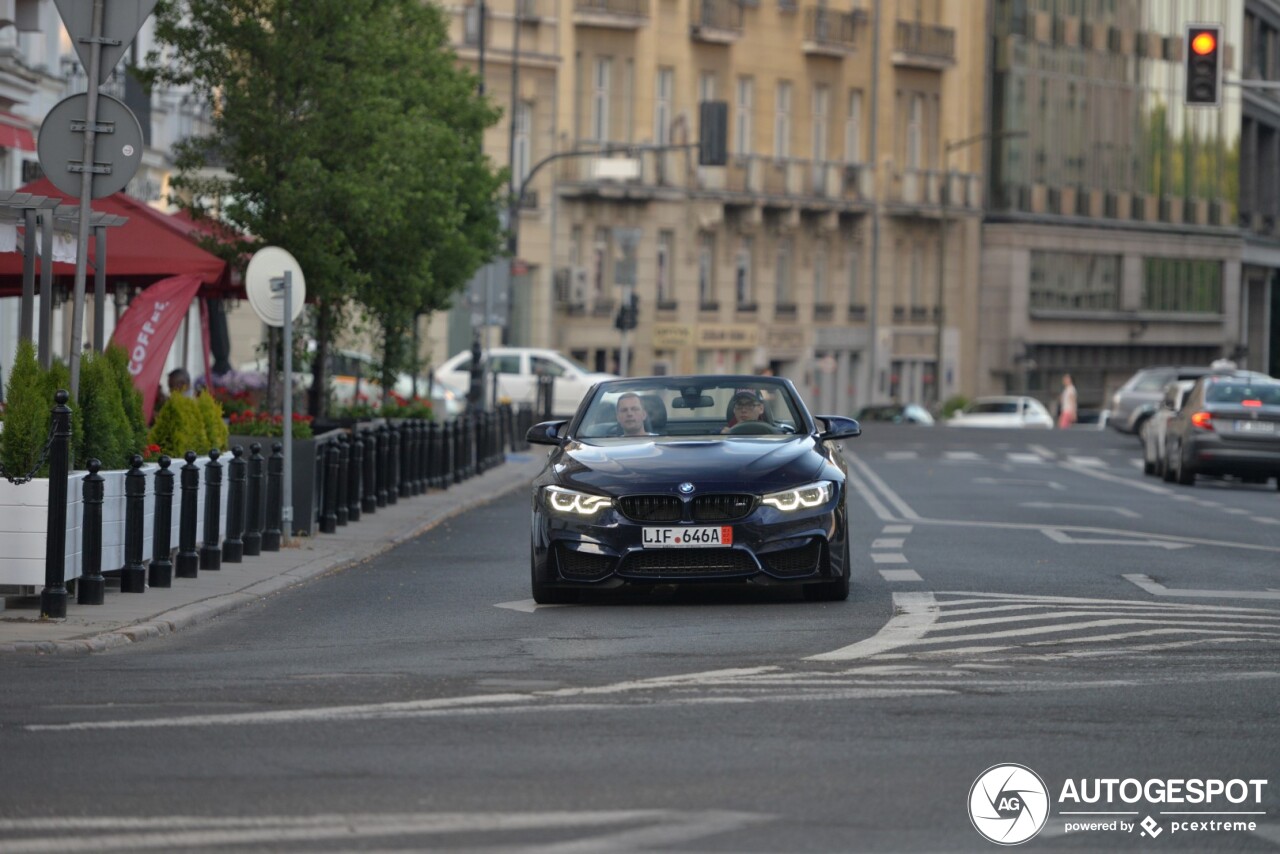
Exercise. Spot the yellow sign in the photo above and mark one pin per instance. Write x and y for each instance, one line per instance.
(736, 336)
(672, 336)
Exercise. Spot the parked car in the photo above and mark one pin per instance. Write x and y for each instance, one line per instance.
(1228, 424)
(1137, 400)
(518, 369)
(896, 413)
(1003, 411)
(686, 502)
(1154, 428)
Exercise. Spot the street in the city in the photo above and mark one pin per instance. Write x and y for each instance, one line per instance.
(1023, 597)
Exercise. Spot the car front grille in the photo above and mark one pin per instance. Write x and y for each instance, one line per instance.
(799, 561)
(576, 564)
(705, 508)
(722, 508)
(650, 508)
(684, 562)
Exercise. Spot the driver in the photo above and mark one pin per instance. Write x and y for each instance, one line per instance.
(747, 406)
(631, 415)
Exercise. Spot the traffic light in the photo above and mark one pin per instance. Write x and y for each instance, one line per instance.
(1204, 65)
(628, 314)
(713, 133)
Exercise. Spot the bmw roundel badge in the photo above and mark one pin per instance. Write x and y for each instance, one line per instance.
(686, 488)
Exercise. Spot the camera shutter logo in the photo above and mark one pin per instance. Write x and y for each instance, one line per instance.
(1008, 804)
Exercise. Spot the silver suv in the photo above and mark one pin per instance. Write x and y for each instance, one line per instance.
(1140, 396)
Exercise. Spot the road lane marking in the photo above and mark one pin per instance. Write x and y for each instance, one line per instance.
(1043, 452)
(527, 606)
(900, 575)
(1015, 457)
(888, 558)
(1264, 520)
(1104, 508)
(1155, 588)
(901, 455)
(914, 613)
(887, 543)
(1059, 536)
(1014, 481)
(896, 529)
(904, 510)
(962, 456)
(1089, 471)
(864, 492)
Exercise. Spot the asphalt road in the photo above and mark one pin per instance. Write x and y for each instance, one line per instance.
(1021, 597)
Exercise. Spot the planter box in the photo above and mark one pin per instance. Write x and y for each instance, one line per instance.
(24, 517)
(308, 476)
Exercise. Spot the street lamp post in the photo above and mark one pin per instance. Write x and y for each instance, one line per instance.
(944, 199)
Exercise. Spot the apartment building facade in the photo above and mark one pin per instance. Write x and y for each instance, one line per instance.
(815, 251)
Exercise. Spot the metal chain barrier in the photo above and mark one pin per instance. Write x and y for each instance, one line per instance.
(31, 475)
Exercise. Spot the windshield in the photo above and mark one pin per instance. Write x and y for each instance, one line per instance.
(986, 407)
(705, 406)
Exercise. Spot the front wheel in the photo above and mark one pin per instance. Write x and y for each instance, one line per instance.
(832, 591)
(545, 594)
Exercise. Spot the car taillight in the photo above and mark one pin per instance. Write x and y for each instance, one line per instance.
(1251, 403)
(1203, 420)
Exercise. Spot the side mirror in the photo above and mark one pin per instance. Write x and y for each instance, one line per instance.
(838, 427)
(545, 433)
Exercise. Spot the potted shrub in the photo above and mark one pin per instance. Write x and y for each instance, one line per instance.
(266, 428)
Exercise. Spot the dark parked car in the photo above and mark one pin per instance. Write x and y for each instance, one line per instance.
(729, 479)
(1227, 425)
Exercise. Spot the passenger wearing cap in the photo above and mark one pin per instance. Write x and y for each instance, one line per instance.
(745, 406)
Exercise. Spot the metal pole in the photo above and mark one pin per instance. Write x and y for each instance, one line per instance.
(873, 309)
(939, 306)
(86, 195)
(46, 289)
(26, 328)
(286, 512)
(99, 288)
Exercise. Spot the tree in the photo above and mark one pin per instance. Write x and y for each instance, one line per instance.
(332, 120)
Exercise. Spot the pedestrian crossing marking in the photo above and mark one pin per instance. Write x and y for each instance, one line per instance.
(900, 575)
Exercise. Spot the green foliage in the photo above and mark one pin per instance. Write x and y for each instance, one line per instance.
(27, 420)
(59, 377)
(347, 132)
(130, 397)
(179, 427)
(107, 434)
(953, 405)
(215, 429)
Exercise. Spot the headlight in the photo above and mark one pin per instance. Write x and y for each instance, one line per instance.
(571, 501)
(800, 498)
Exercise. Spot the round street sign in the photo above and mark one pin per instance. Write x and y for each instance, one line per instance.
(264, 284)
(60, 146)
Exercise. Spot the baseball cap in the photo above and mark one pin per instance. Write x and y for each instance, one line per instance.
(747, 396)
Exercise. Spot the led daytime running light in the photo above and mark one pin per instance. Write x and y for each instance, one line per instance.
(570, 501)
(801, 498)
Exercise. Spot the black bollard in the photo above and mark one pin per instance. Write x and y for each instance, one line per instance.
(237, 475)
(355, 477)
(53, 598)
(210, 554)
(254, 506)
(275, 499)
(133, 575)
(91, 588)
(434, 467)
(384, 443)
(188, 558)
(409, 464)
(340, 487)
(453, 455)
(329, 515)
(369, 498)
(160, 573)
(394, 456)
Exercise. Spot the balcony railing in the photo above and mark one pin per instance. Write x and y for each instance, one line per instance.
(830, 33)
(718, 21)
(924, 45)
(616, 14)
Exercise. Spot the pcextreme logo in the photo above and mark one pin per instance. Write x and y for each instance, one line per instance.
(1008, 804)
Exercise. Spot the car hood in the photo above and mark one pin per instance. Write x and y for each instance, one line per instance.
(660, 465)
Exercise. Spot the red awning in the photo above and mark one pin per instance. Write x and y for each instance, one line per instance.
(147, 248)
(15, 134)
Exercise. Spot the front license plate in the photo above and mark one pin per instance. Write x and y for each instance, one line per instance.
(687, 538)
(1265, 428)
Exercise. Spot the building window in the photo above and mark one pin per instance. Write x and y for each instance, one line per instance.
(743, 278)
(915, 131)
(746, 99)
(600, 99)
(707, 86)
(1074, 281)
(522, 148)
(915, 285)
(853, 128)
(663, 89)
(783, 294)
(666, 252)
(853, 280)
(1182, 285)
(782, 122)
(821, 108)
(707, 268)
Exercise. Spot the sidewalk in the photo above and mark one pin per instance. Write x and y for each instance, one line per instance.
(132, 617)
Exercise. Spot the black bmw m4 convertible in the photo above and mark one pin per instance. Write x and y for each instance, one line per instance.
(688, 480)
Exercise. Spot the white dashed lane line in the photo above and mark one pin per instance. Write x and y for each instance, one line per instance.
(887, 543)
(881, 557)
(900, 575)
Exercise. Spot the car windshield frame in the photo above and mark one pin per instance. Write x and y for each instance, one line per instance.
(785, 409)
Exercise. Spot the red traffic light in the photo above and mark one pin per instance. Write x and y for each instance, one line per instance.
(1204, 43)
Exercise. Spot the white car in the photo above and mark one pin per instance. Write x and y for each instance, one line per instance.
(518, 369)
(1155, 426)
(1003, 411)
